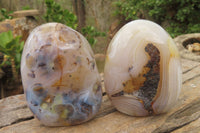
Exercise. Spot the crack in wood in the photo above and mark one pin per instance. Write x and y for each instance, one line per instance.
(106, 112)
(18, 121)
(190, 69)
(191, 79)
(176, 128)
(180, 118)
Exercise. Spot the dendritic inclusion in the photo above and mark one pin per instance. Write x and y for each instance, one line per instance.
(60, 77)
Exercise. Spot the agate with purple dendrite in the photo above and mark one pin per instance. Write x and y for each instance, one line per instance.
(60, 77)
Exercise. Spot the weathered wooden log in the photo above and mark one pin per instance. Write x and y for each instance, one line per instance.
(25, 13)
(15, 116)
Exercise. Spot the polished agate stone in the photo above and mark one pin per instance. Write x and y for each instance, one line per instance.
(142, 70)
(60, 77)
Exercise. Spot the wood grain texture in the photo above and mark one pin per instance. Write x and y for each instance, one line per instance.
(184, 117)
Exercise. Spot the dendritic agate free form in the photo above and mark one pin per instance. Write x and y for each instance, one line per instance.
(60, 77)
(142, 69)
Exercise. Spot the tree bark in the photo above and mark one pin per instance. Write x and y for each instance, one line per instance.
(79, 9)
(2, 90)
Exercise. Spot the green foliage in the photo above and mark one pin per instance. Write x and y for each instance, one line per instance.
(182, 15)
(128, 8)
(11, 47)
(90, 33)
(4, 14)
(27, 7)
(54, 13)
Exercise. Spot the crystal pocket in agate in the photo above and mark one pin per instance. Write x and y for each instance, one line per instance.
(60, 77)
(142, 69)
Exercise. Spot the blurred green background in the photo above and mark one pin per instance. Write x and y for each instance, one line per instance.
(97, 20)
